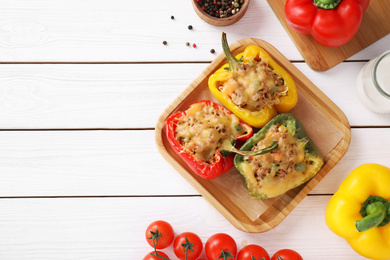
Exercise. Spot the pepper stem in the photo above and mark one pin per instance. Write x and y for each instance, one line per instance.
(268, 149)
(327, 4)
(233, 61)
(376, 213)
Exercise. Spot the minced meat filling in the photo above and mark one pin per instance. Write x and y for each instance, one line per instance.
(254, 85)
(204, 129)
(282, 160)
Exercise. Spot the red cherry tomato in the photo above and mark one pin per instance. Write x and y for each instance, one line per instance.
(286, 254)
(256, 251)
(160, 233)
(149, 256)
(187, 242)
(221, 246)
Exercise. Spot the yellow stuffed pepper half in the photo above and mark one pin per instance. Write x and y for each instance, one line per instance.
(253, 86)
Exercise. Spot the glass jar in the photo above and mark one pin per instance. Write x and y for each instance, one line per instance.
(373, 84)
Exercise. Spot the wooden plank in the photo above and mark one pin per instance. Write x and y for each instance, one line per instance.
(374, 26)
(74, 96)
(113, 228)
(115, 163)
(118, 30)
(89, 96)
(86, 163)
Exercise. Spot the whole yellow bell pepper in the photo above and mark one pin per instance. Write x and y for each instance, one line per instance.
(257, 118)
(360, 211)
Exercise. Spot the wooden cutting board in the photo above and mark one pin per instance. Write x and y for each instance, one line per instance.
(375, 25)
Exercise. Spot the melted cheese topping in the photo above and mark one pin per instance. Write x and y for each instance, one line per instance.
(254, 86)
(280, 169)
(204, 130)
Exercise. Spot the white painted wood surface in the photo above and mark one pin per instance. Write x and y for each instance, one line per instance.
(116, 163)
(122, 31)
(82, 84)
(74, 96)
(113, 228)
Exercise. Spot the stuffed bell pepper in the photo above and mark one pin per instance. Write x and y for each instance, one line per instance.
(204, 135)
(253, 86)
(293, 162)
(332, 23)
(360, 211)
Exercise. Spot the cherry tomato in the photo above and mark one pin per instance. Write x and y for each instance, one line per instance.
(152, 257)
(221, 246)
(256, 251)
(187, 242)
(286, 254)
(160, 233)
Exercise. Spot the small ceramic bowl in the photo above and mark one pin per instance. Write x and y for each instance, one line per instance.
(220, 21)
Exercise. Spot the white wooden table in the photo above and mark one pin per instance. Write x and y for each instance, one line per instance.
(82, 84)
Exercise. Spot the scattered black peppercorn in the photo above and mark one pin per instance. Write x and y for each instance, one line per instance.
(190, 27)
(172, 17)
(165, 42)
(187, 43)
(212, 51)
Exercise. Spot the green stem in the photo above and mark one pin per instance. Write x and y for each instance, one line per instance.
(154, 246)
(233, 61)
(253, 258)
(187, 245)
(327, 4)
(376, 213)
(160, 256)
(225, 255)
(267, 149)
(155, 236)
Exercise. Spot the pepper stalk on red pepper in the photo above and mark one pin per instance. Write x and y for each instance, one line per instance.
(332, 23)
(204, 137)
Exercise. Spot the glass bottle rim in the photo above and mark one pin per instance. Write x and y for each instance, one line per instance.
(374, 78)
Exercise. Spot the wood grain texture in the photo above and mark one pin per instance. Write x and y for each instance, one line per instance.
(375, 25)
(119, 31)
(121, 76)
(84, 96)
(69, 96)
(312, 105)
(113, 163)
(113, 228)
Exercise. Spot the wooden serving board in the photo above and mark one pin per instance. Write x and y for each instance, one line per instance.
(375, 25)
(324, 122)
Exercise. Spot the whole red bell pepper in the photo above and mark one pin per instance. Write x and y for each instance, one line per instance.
(332, 23)
(223, 161)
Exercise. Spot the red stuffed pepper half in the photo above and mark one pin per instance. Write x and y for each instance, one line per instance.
(204, 135)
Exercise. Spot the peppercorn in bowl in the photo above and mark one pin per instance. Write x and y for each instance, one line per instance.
(220, 12)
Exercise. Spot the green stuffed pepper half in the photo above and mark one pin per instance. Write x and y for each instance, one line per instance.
(294, 161)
